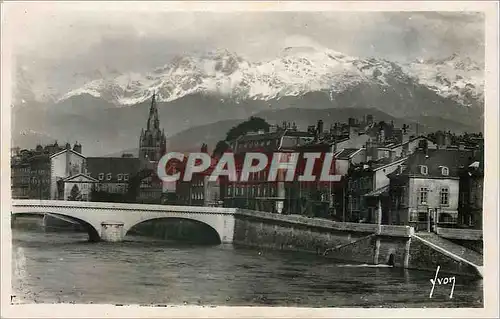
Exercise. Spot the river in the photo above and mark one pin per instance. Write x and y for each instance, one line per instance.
(65, 268)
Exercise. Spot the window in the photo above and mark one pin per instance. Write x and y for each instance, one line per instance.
(101, 176)
(125, 177)
(444, 196)
(108, 176)
(424, 170)
(422, 196)
(394, 202)
(354, 203)
(445, 171)
(120, 177)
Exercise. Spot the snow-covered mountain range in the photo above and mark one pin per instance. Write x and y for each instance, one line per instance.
(297, 71)
(198, 92)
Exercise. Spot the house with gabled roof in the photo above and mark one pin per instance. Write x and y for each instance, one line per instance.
(63, 164)
(425, 190)
(80, 183)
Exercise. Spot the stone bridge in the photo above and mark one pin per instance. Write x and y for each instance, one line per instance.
(112, 221)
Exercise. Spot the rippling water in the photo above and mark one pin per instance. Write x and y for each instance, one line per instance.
(65, 268)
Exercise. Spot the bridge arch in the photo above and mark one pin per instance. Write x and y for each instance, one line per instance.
(92, 231)
(209, 233)
(113, 220)
(217, 222)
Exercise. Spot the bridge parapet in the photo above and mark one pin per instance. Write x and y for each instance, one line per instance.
(123, 206)
(395, 231)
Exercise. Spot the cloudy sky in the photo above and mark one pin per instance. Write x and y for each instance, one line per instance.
(61, 45)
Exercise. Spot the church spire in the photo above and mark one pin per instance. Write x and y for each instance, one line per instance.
(153, 121)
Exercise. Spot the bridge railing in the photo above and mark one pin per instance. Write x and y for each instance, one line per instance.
(121, 206)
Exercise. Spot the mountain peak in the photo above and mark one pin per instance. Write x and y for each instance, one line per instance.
(298, 70)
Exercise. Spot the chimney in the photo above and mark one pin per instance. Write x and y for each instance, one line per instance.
(353, 131)
(369, 119)
(447, 139)
(204, 148)
(319, 129)
(68, 153)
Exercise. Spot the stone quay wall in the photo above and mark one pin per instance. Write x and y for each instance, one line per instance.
(294, 233)
(363, 243)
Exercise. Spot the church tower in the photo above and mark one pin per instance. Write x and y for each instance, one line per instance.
(153, 143)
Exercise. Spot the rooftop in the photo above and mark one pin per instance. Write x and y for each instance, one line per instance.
(436, 159)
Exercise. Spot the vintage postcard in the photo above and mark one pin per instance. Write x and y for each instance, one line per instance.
(249, 159)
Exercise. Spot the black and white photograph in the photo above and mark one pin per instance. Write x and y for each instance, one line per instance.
(263, 155)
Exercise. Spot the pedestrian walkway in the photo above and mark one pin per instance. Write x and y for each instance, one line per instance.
(453, 250)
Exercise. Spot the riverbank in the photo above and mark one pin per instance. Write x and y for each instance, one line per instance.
(396, 246)
(392, 245)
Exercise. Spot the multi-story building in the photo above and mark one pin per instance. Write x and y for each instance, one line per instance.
(30, 171)
(20, 179)
(470, 201)
(39, 186)
(368, 179)
(257, 192)
(66, 163)
(200, 190)
(112, 174)
(425, 190)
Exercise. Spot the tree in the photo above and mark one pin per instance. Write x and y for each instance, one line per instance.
(135, 183)
(251, 125)
(220, 148)
(75, 193)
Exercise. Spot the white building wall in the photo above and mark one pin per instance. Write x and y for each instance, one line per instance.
(83, 184)
(380, 178)
(63, 166)
(434, 186)
(341, 167)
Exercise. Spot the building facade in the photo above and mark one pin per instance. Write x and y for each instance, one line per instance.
(78, 187)
(470, 202)
(112, 174)
(425, 190)
(66, 163)
(30, 171)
